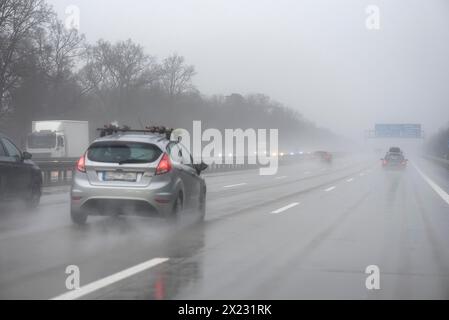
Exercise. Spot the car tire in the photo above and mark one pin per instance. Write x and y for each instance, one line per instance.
(177, 207)
(78, 217)
(202, 209)
(35, 195)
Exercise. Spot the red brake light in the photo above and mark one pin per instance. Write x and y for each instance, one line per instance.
(164, 165)
(80, 165)
(385, 162)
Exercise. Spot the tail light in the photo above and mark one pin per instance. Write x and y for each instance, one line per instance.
(164, 165)
(384, 162)
(81, 164)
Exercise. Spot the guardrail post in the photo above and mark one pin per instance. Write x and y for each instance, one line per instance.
(64, 175)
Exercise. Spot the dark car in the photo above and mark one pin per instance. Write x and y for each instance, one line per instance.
(394, 159)
(20, 178)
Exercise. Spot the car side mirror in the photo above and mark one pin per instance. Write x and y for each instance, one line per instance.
(26, 155)
(201, 167)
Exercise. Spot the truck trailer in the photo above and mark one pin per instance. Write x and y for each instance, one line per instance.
(58, 139)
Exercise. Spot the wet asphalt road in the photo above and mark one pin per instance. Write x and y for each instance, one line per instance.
(307, 233)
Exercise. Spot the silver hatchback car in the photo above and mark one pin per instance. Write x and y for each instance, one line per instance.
(143, 174)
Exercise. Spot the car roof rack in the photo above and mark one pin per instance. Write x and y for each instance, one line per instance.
(112, 129)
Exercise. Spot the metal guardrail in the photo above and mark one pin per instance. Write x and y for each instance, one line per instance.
(56, 171)
(59, 171)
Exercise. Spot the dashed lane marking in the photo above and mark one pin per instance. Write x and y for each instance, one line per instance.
(292, 205)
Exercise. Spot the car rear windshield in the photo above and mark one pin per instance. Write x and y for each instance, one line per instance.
(395, 156)
(123, 152)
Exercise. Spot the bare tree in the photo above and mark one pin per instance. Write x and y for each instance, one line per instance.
(176, 75)
(117, 69)
(58, 49)
(17, 20)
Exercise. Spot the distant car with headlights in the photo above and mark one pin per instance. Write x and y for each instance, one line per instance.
(137, 172)
(20, 177)
(394, 159)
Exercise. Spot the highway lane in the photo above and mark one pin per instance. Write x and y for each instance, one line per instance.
(320, 248)
(308, 232)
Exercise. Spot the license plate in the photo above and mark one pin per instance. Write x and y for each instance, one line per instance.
(120, 176)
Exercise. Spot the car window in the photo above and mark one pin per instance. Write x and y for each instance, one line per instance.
(186, 157)
(395, 149)
(11, 149)
(395, 156)
(179, 154)
(175, 153)
(116, 152)
(60, 141)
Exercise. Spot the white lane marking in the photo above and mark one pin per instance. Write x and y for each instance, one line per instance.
(279, 178)
(235, 185)
(433, 185)
(99, 284)
(307, 172)
(330, 189)
(350, 180)
(294, 204)
(362, 174)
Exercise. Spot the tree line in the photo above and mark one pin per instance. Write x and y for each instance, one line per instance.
(49, 72)
(438, 144)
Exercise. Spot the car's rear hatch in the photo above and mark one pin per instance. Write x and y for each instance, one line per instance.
(395, 158)
(122, 163)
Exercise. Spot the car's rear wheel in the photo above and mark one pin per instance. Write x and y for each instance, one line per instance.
(202, 209)
(34, 197)
(79, 217)
(177, 207)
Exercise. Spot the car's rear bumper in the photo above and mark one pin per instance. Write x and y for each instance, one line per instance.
(157, 198)
(395, 166)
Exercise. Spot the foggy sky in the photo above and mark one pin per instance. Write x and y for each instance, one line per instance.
(315, 56)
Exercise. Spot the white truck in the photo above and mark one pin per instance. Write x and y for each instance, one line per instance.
(58, 139)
